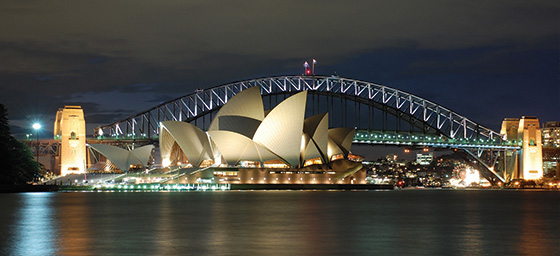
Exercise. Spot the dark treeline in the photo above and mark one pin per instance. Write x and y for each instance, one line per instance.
(17, 165)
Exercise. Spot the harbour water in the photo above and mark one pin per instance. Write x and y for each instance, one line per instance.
(406, 222)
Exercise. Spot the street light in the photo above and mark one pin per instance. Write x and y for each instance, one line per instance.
(37, 127)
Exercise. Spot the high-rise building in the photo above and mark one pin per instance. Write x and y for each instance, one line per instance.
(551, 148)
(70, 128)
(551, 134)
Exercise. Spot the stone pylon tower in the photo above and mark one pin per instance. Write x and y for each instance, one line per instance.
(527, 162)
(510, 127)
(531, 152)
(70, 128)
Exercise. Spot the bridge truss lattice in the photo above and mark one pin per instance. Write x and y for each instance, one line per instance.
(418, 112)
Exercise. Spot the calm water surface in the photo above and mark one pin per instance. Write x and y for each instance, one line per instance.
(408, 222)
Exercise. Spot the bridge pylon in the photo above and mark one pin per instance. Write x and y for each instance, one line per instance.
(525, 163)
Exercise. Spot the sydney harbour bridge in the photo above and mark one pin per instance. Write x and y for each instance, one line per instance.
(381, 115)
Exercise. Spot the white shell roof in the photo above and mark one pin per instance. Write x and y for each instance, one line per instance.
(123, 158)
(281, 129)
(143, 153)
(247, 103)
(192, 140)
(316, 127)
(236, 147)
(343, 138)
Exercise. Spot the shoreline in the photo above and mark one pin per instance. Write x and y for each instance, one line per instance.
(342, 187)
(66, 188)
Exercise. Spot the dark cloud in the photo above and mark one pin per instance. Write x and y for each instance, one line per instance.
(130, 56)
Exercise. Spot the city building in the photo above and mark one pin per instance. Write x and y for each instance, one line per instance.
(70, 129)
(551, 134)
(424, 159)
(551, 149)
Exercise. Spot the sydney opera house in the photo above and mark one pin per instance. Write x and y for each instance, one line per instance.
(247, 144)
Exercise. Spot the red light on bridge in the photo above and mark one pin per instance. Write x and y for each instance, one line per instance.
(308, 72)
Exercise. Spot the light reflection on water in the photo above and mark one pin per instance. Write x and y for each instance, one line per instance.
(35, 231)
(427, 222)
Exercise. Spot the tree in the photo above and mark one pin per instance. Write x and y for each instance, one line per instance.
(18, 165)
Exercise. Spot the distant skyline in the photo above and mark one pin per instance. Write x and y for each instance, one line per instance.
(486, 60)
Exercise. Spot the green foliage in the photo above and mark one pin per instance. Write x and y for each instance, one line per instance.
(17, 163)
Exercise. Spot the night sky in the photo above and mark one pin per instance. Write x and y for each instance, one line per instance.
(486, 60)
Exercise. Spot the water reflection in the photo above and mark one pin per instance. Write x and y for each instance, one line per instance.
(35, 232)
(74, 224)
(282, 223)
(471, 240)
(165, 231)
(536, 228)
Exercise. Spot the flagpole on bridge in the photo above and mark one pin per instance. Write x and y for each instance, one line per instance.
(313, 67)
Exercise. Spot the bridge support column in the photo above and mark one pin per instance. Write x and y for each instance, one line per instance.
(511, 165)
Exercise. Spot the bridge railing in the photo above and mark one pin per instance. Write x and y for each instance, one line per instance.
(426, 140)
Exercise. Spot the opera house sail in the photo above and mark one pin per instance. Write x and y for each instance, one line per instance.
(125, 159)
(280, 141)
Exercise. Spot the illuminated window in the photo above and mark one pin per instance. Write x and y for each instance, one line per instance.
(312, 161)
(206, 163)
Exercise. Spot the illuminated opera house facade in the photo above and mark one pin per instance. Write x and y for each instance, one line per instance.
(247, 145)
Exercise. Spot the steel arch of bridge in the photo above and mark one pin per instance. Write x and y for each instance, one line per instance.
(201, 102)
